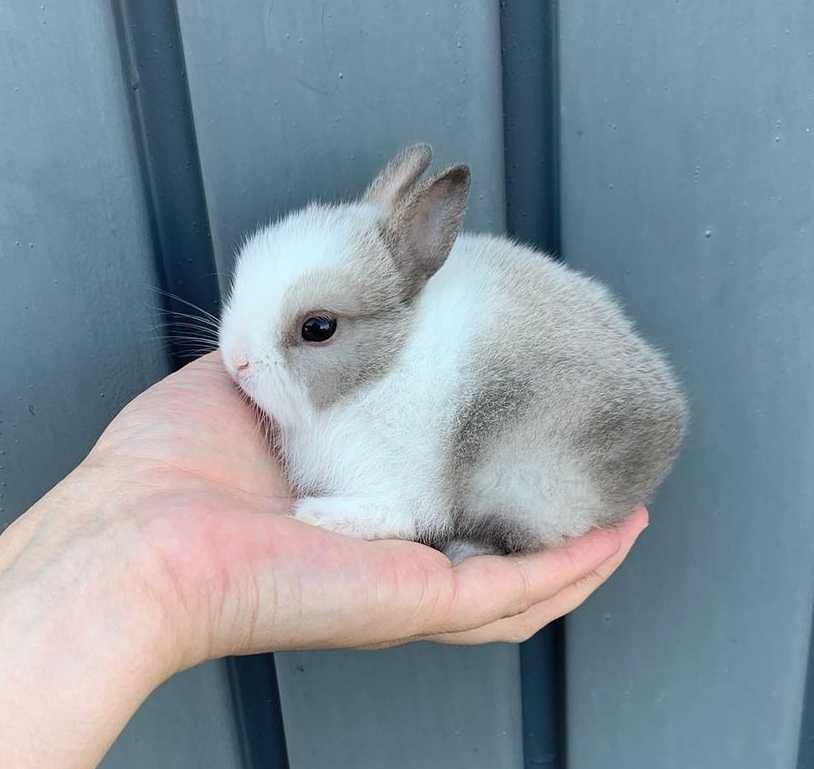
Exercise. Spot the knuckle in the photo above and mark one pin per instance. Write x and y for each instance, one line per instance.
(591, 581)
(576, 597)
(438, 600)
(521, 634)
(525, 626)
(523, 598)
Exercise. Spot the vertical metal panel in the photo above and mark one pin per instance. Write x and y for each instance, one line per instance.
(413, 707)
(187, 722)
(73, 240)
(296, 100)
(687, 152)
(805, 754)
(293, 100)
(531, 125)
(164, 132)
(687, 165)
(76, 267)
(531, 118)
(257, 712)
(543, 696)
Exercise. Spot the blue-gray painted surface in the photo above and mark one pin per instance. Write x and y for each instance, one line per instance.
(293, 100)
(77, 318)
(665, 147)
(531, 124)
(688, 185)
(531, 144)
(413, 707)
(805, 755)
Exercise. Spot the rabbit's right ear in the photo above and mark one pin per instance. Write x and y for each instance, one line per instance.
(399, 176)
(423, 228)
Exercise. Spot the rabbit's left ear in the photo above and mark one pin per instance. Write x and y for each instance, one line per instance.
(426, 223)
(399, 176)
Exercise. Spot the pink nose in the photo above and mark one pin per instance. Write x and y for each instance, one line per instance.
(240, 364)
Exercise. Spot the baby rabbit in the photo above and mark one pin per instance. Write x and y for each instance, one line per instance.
(444, 387)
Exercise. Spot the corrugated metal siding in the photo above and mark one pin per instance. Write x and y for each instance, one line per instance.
(687, 158)
(667, 147)
(76, 306)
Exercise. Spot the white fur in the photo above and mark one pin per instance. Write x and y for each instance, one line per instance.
(385, 447)
(270, 261)
(381, 451)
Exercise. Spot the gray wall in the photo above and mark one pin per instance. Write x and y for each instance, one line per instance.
(687, 173)
(77, 311)
(665, 147)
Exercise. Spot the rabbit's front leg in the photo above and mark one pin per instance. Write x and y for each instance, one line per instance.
(356, 517)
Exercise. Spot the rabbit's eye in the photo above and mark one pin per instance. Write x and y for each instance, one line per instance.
(318, 328)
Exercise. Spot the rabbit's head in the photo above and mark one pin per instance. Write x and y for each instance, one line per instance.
(321, 301)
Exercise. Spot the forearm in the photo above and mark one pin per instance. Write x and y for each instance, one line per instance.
(80, 648)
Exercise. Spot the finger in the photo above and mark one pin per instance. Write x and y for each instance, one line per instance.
(375, 647)
(521, 627)
(491, 588)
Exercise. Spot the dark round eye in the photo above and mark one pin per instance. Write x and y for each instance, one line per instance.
(318, 328)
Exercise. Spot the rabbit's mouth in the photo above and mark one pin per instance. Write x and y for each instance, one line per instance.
(269, 386)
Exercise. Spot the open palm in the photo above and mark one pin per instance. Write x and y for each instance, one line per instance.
(209, 505)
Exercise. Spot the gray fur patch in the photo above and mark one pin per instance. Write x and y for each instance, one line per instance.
(495, 407)
(494, 533)
(492, 407)
(585, 416)
(633, 443)
(371, 294)
(365, 295)
(364, 353)
(498, 533)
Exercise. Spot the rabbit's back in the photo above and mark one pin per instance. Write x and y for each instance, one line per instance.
(567, 417)
(523, 408)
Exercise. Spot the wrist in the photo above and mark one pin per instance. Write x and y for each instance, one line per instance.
(76, 621)
(75, 568)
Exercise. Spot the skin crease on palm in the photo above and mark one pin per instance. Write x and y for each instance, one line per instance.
(170, 544)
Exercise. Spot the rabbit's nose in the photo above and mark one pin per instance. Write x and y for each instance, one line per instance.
(238, 363)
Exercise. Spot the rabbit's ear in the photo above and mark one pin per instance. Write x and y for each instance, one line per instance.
(397, 178)
(424, 226)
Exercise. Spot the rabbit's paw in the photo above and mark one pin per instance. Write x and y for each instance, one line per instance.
(354, 517)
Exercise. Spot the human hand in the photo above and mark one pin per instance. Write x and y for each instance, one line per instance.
(203, 519)
(170, 544)
(245, 577)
